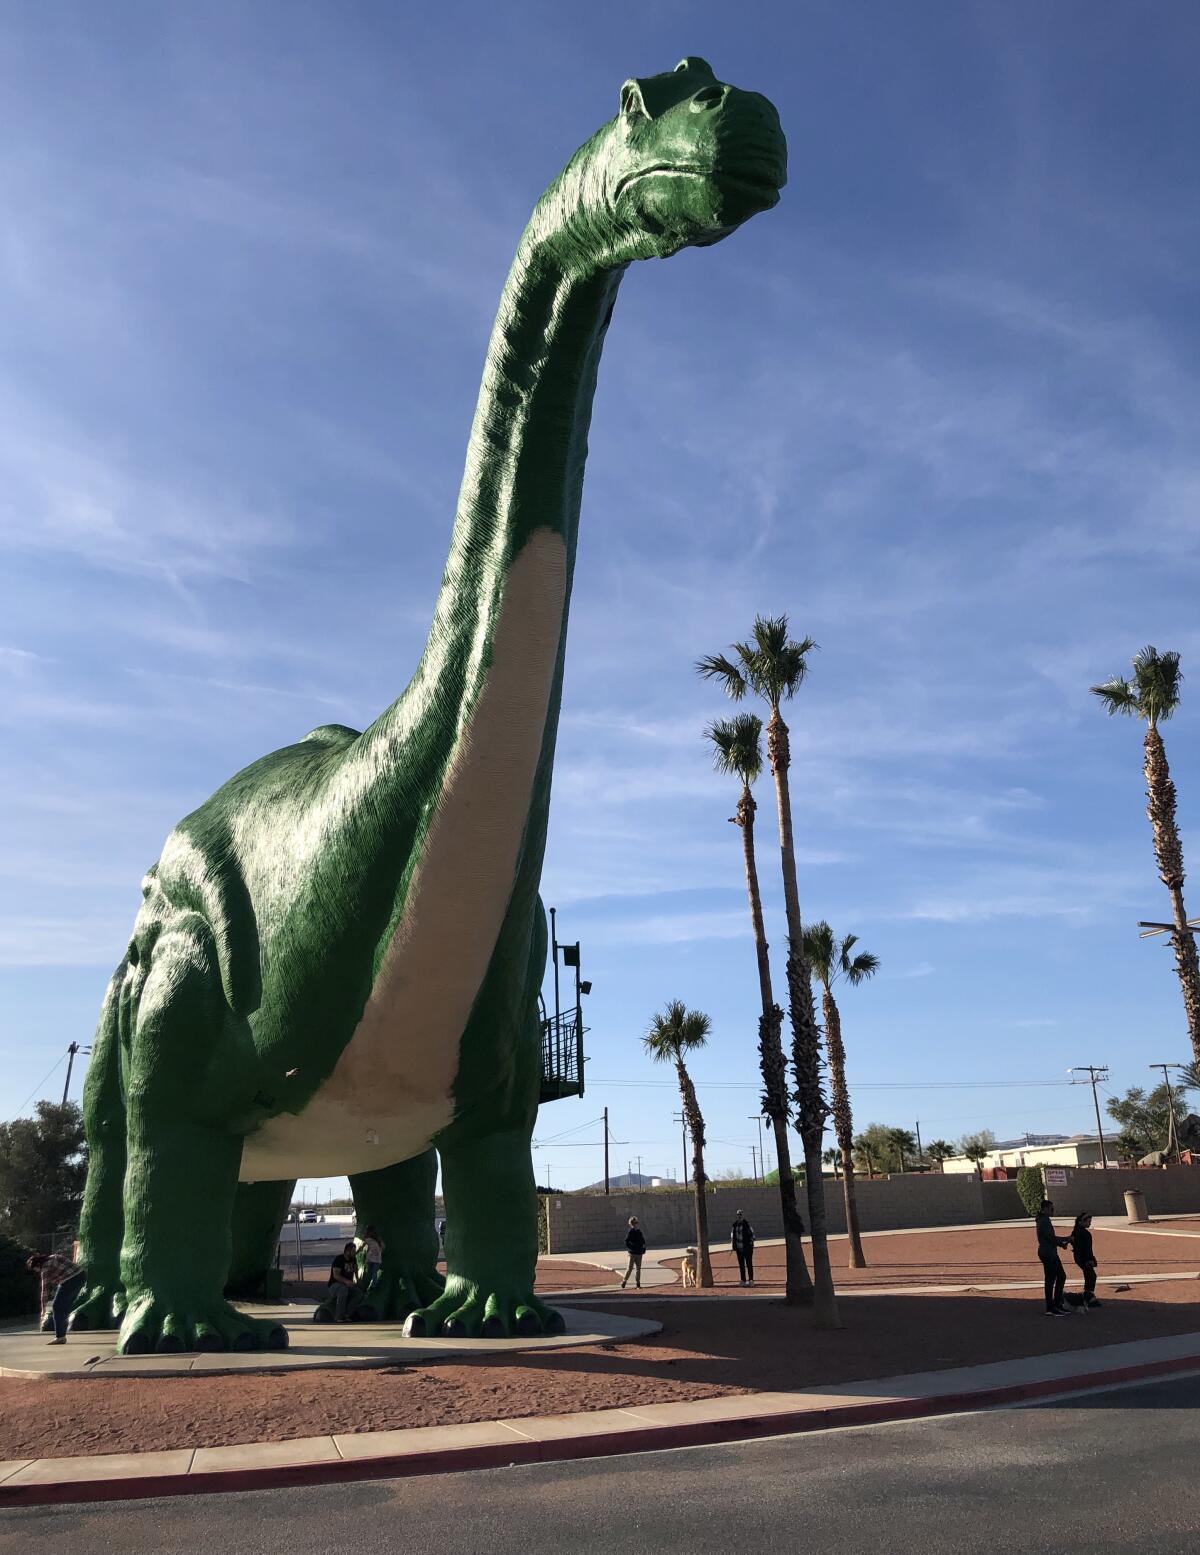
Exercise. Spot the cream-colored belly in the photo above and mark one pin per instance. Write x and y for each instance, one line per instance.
(391, 1090)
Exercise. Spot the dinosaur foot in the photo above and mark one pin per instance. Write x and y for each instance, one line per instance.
(99, 1306)
(475, 1314)
(394, 1293)
(169, 1326)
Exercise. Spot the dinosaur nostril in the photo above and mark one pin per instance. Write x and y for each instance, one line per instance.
(709, 96)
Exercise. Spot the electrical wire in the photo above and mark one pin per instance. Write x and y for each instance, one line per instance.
(39, 1085)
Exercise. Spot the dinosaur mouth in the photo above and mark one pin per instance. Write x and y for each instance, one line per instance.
(753, 181)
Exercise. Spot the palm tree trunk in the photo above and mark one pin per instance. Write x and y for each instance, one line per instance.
(842, 1120)
(799, 1288)
(1168, 850)
(806, 1034)
(691, 1111)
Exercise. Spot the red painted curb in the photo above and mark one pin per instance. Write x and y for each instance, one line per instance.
(648, 1438)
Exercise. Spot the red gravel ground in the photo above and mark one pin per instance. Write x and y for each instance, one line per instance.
(551, 1276)
(950, 1257)
(706, 1348)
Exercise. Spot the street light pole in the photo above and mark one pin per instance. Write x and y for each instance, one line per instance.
(1095, 1073)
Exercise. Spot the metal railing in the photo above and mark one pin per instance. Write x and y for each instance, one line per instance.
(562, 1056)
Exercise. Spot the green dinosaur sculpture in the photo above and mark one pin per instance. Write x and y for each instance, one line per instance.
(336, 964)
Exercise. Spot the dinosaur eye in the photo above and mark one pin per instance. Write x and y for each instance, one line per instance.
(682, 65)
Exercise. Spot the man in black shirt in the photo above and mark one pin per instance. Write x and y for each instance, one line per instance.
(1048, 1244)
(343, 1276)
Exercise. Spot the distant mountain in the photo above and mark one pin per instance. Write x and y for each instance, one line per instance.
(625, 1181)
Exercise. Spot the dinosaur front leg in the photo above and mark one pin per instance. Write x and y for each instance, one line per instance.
(182, 1171)
(491, 1243)
(398, 1202)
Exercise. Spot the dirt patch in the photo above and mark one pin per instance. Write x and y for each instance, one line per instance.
(707, 1348)
(1005, 1255)
(551, 1276)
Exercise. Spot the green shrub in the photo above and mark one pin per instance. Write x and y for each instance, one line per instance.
(1029, 1186)
(18, 1288)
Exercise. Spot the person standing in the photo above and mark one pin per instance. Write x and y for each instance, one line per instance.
(741, 1239)
(635, 1245)
(61, 1282)
(1048, 1244)
(373, 1246)
(1081, 1251)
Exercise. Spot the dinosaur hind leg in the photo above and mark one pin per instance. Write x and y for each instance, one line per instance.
(259, 1210)
(398, 1202)
(101, 1225)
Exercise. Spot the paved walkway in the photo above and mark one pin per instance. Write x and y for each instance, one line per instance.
(26, 1352)
(441, 1449)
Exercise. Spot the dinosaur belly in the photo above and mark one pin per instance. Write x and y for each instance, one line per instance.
(392, 1089)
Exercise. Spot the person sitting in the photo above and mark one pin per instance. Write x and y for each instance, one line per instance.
(343, 1276)
(741, 1240)
(61, 1282)
(1081, 1251)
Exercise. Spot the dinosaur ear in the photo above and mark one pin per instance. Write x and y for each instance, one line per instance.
(633, 102)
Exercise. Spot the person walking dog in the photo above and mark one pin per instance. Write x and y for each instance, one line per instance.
(635, 1244)
(741, 1239)
(1081, 1251)
(1048, 1244)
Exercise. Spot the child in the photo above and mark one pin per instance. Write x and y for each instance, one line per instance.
(372, 1253)
(1081, 1251)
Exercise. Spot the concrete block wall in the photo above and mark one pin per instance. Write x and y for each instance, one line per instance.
(595, 1222)
(1169, 1190)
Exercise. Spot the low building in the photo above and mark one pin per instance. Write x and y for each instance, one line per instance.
(1079, 1150)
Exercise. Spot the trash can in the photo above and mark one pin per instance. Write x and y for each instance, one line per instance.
(1135, 1206)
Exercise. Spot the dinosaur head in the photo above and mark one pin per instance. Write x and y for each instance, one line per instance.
(687, 160)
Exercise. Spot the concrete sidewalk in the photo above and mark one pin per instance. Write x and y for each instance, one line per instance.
(499, 1443)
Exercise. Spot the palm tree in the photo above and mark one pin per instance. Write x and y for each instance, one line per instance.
(1153, 695)
(940, 1151)
(675, 1032)
(828, 960)
(832, 1157)
(737, 752)
(865, 1150)
(773, 667)
(904, 1140)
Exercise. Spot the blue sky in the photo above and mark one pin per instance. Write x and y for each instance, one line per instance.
(940, 406)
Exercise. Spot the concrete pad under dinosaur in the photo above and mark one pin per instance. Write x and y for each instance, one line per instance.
(25, 1352)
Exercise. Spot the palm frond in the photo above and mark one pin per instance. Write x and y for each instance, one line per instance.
(856, 969)
(715, 666)
(820, 952)
(1118, 696)
(737, 746)
(1157, 677)
(676, 1031)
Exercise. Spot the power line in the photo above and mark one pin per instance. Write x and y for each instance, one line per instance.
(864, 1085)
(39, 1085)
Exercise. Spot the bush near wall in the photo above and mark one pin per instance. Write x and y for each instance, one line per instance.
(18, 1288)
(1031, 1188)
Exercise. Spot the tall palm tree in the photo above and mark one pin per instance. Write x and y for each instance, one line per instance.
(830, 959)
(905, 1142)
(833, 1157)
(1153, 695)
(940, 1151)
(737, 751)
(675, 1032)
(772, 666)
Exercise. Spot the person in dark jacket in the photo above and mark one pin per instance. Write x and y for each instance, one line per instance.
(635, 1244)
(741, 1239)
(1048, 1244)
(1081, 1251)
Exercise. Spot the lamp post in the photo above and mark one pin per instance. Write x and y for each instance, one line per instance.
(757, 1118)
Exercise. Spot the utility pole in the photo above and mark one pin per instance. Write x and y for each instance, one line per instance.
(754, 1163)
(681, 1119)
(762, 1174)
(71, 1052)
(1173, 1127)
(920, 1152)
(639, 1161)
(1096, 1073)
(606, 1149)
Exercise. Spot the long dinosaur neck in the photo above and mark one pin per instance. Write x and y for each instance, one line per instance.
(524, 475)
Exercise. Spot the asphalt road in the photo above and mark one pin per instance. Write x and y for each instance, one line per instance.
(1106, 1472)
